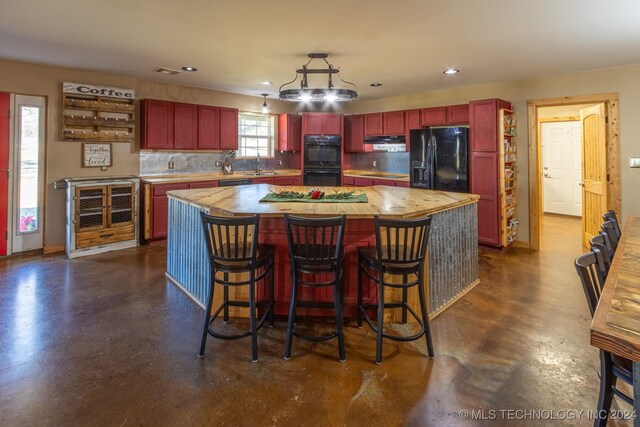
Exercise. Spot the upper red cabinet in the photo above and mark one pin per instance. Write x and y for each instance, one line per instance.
(458, 114)
(373, 124)
(289, 132)
(436, 116)
(354, 135)
(387, 123)
(321, 124)
(208, 127)
(483, 124)
(228, 128)
(394, 123)
(185, 126)
(180, 126)
(157, 129)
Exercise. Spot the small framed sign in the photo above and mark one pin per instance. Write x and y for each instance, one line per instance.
(96, 155)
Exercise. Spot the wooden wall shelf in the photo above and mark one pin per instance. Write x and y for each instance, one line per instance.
(98, 118)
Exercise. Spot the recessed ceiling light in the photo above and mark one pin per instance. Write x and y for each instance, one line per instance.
(164, 70)
(189, 69)
(375, 84)
(450, 71)
(266, 83)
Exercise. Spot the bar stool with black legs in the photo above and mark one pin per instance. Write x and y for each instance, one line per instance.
(234, 254)
(612, 367)
(400, 251)
(316, 254)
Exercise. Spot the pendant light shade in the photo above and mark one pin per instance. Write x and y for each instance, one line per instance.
(320, 94)
(265, 108)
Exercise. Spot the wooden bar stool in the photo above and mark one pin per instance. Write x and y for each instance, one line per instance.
(315, 250)
(612, 367)
(400, 251)
(234, 253)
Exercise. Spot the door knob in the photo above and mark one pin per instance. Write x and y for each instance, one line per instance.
(546, 175)
(581, 184)
(545, 168)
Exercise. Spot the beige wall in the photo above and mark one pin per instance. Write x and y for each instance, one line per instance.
(63, 157)
(561, 111)
(623, 80)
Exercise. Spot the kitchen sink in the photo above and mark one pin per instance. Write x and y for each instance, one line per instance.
(261, 173)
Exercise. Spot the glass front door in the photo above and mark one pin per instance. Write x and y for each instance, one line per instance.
(28, 176)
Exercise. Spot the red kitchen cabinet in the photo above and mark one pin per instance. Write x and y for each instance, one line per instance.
(347, 180)
(321, 124)
(484, 174)
(160, 208)
(265, 180)
(285, 180)
(436, 116)
(362, 182)
(373, 124)
(404, 184)
(413, 119)
(185, 126)
(204, 184)
(394, 123)
(458, 114)
(386, 182)
(208, 127)
(289, 132)
(228, 128)
(157, 131)
(354, 135)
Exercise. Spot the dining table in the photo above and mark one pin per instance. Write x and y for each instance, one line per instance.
(616, 322)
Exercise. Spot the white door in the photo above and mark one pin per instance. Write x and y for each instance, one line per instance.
(27, 217)
(561, 168)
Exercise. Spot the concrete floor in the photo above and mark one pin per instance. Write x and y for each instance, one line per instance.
(106, 340)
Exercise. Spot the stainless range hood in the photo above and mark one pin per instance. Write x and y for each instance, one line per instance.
(388, 143)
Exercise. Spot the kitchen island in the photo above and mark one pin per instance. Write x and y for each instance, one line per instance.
(452, 267)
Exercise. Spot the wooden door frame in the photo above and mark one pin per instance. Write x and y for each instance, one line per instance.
(610, 100)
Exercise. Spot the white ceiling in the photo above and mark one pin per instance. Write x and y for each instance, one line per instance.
(405, 44)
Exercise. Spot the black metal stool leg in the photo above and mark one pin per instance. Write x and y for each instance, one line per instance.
(360, 277)
(337, 295)
(292, 315)
(425, 315)
(207, 317)
(225, 292)
(404, 300)
(253, 320)
(272, 280)
(380, 316)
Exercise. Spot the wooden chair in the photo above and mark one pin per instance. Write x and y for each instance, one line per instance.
(602, 242)
(400, 251)
(611, 227)
(610, 215)
(234, 253)
(612, 367)
(316, 253)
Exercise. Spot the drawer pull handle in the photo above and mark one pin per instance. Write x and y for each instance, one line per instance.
(106, 235)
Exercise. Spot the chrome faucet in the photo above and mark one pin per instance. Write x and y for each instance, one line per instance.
(258, 162)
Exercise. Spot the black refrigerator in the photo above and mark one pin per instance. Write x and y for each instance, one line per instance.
(439, 159)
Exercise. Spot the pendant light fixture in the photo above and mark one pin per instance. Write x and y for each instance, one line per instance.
(329, 93)
(265, 109)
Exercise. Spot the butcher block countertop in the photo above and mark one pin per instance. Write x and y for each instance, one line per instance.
(355, 173)
(382, 200)
(170, 179)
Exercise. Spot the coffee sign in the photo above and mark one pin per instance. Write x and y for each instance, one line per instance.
(84, 89)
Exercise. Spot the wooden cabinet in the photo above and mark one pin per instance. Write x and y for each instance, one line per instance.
(102, 217)
(180, 126)
(373, 124)
(394, 123)
(387, 123)
(289, 132)
(204, 184)
(436, 116)
(485, 165)
(157, 129)
(347, 181)
(287, 180)
(228, 128)
(457, 114)
(263, 180)
(159, 208)
(365, 182)
(208, 127)
(362, 182)
(354, 135)
(321, 124)
(185, 126)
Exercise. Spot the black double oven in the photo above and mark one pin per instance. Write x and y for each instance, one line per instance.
(322, 160)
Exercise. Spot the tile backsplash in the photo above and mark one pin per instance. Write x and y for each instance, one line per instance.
(385, 162)
(185, 162)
